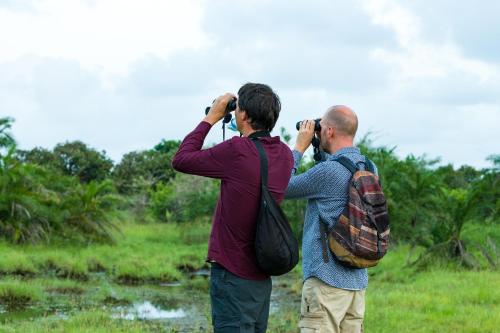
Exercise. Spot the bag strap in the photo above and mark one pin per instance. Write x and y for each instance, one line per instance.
(369, 165)
(347, 163)
(263, 161)
(324, 242)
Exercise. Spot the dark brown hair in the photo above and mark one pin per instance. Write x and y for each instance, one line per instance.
(261, 104)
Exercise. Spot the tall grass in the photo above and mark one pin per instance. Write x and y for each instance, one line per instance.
(142, 253)
(17, 293)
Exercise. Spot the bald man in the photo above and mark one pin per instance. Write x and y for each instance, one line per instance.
(333, 296)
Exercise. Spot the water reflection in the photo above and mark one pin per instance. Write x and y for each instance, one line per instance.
(147, 311)
(171, 284)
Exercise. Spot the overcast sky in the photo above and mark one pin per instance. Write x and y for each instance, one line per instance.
(121, 75)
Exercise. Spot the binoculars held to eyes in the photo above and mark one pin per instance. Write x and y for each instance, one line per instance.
(315, 140)
(317, 126)
(231, 106)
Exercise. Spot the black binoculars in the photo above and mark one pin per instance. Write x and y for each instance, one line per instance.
(315, 140)
(317, 126)
(231, 106)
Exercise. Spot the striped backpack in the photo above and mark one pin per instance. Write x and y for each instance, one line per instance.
(360, 237)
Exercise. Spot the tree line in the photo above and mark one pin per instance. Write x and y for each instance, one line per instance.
(72, 192)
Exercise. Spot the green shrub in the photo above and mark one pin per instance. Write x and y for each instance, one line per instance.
(37, 203)
(87, 209)
(185, 198)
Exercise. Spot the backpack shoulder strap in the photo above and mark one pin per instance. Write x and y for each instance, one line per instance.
(369, 165)
(323, 231)
(263, 161)
(347, 163)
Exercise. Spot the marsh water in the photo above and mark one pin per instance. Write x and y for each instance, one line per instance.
(183, 306)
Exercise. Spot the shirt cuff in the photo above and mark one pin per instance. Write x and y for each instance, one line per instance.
(205, 124)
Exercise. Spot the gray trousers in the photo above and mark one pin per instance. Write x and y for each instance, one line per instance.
(238, 305)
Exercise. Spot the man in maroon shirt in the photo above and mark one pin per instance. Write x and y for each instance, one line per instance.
(239, 289)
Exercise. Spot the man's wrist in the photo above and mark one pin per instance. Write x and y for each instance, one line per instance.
(211, 120)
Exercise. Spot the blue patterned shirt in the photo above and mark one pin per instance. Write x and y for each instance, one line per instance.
(325, 186)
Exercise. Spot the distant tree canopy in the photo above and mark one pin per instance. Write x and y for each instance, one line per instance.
(462, 177)
(72, 159)
(145, 169)
(77, 159)
(168, 147)
(39, 156)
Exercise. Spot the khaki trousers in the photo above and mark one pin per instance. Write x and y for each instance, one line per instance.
(326, 309)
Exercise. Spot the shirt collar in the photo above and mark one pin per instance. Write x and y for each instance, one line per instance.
(345, 150)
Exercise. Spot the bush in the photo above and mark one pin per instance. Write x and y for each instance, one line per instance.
(25, 203)
(184, 198)
(87, 209)
(37, 203)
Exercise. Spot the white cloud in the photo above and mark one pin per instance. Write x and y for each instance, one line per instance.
(440, 100)
(415, 85)
(107, 36)
(418, 58)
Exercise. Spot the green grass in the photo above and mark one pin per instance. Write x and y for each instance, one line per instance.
(440, 298)
(63, 286)
(17, 293)
(401, 299)
(87, 322)
(13, 262)
(61, 264)
(143, 253)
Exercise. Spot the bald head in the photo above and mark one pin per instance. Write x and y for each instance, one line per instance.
(343, 119)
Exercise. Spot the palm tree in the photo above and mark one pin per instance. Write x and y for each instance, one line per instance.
(6, 139)
(87, 208)
(457, 208)
(22, 215)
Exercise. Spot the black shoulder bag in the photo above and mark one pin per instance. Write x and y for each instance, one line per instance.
(276, 247)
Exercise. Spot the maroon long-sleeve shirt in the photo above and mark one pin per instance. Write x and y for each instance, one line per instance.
(236, 162)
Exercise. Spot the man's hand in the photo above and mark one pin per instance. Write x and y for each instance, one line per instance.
(306, 133)
(218, 108)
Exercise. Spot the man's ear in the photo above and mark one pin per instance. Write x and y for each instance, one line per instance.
(244, 116)
(331, 132)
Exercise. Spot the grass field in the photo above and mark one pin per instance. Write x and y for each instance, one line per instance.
(67, 288)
